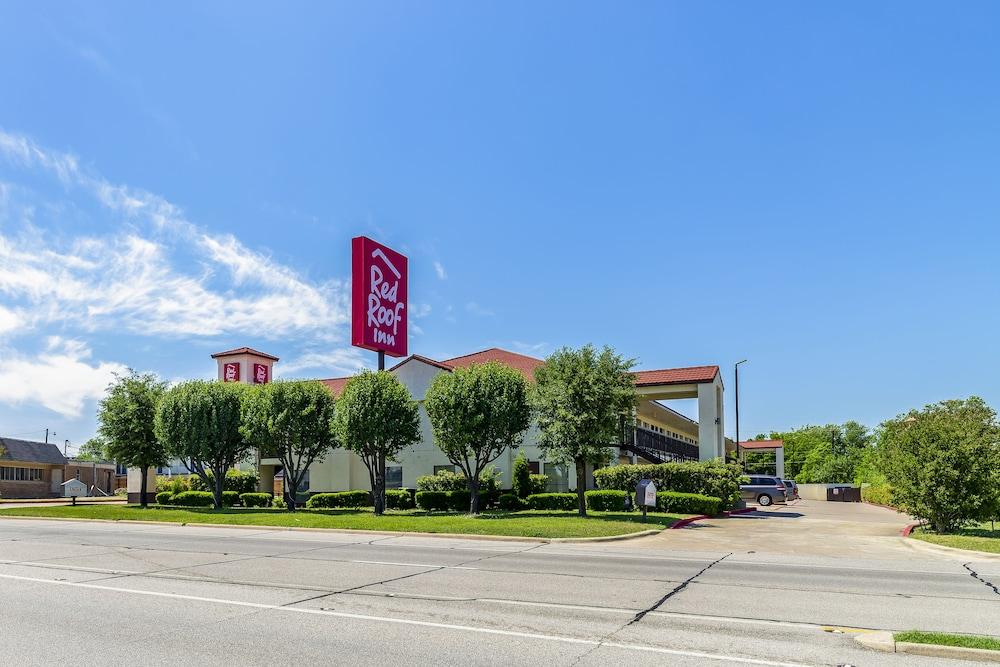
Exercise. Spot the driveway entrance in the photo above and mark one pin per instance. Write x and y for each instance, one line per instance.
(802, 527)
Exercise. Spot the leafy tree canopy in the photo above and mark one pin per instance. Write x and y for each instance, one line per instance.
(476, 414)
(579, 398)
(376, 418)
(93, 450)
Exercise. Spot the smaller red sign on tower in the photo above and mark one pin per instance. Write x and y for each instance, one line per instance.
(231, 372)
(260, 374)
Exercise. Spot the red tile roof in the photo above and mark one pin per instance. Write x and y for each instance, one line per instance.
(336, 385)
(692, 374)
(526, 366)
(762, 444)
(244, 350)
(520, 362)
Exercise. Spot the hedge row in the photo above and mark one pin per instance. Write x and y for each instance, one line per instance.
(453, 501)
(687, 503)
(552, 501)
(196, 498)
(444, 480)
(340, 499)
(256, 499)
(709, 478)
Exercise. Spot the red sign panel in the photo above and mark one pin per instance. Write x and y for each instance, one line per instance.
(231, 372)
(260, 374)
(378, 297)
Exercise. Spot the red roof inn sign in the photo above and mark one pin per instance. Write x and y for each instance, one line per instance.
(378, 297)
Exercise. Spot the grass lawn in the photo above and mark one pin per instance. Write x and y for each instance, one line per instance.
(520, 524)
(944, 639)
(974, 538)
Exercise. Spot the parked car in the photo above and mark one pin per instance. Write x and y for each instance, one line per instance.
(791, 489)
(764, 490)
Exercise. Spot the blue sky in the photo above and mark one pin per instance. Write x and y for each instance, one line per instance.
(812, 186)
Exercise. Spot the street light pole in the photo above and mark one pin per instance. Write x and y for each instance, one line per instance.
(736, 371)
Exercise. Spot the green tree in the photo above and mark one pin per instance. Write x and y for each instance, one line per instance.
(477, 413)
(580, 396)
(93, 450)
(125, 417)
(376, 418)
(943, 462)
(521, 476)
(199, 422)
(290, 421)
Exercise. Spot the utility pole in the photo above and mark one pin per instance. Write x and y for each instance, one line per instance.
(736, 371)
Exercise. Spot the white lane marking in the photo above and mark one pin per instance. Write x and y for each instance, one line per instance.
(425, 624)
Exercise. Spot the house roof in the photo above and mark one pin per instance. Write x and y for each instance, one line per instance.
(30, 451)
(527, 365)
(762, 444)
(244, 350)
(689, 375)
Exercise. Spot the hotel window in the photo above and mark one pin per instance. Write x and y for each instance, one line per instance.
(394, 477)
(447, 468)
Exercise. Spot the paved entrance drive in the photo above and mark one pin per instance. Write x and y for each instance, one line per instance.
(802, 527)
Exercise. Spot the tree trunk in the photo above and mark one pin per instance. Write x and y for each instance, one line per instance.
(220, 481)
(581, 485)
(142, 490)
(291, 490)
(474, 494)
(378, 493)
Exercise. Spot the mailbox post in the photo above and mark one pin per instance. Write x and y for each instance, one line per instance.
(645, 495)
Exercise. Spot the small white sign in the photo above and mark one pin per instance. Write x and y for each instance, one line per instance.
(650, 500)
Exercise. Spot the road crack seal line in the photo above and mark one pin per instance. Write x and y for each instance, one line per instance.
(976, 576)
(654, 607)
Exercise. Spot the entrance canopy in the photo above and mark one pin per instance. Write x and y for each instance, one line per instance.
(776, 446)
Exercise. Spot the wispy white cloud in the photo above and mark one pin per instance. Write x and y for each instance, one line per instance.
(59, 378)
(329, 363)
(158, 275)
(476, 309)
(439, 269)
(529, 348)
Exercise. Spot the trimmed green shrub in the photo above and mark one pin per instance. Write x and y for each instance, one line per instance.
(193, 499)
(711, 478)
(538, 483)
(255, 499)
(432, 501)
(278, 502)
(399, 499)
(458, 501)
(606, 501)
(510, 502)
(446, 480)
(879, 494)
(230, 498)
(553, 501)
(687, 503)
(177, 484)
(236, 480)
(340, 499)
(164, 497)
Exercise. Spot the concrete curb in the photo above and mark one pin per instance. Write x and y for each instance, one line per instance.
(941, 549)
(691, 519)
(349, 531)
(884, 641)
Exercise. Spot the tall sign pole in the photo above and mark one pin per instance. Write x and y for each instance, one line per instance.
(379, 306)
(736, 370)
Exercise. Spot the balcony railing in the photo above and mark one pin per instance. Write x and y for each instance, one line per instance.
(656, 447)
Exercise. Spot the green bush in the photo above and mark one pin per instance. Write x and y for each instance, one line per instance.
(606, 501)
(458, 501)
(710, 478)
(122, 491)
(239, 481)
(553, 501)
(230, 498)
(489, 481)
(510, 502)
(399, 499)
(193, 499)
(255, 499)
(687, 503)
(521, 476)
(278, 502)
(879, 494)
(164, 497)
(172, 484)
(340, 499)
(432, 501)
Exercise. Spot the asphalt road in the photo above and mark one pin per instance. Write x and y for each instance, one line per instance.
(101, 593)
